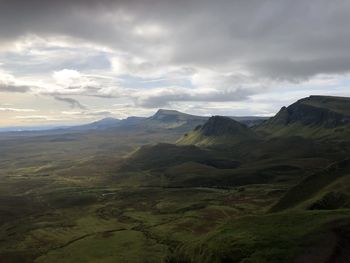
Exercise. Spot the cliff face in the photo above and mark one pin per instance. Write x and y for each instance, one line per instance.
(320, 113)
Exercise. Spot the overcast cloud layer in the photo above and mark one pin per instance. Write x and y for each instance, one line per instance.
(76, 61)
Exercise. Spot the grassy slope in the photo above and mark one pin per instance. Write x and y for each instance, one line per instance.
(277, 237)
(316, 185)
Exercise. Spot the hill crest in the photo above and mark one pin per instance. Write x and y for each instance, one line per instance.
(218, 130)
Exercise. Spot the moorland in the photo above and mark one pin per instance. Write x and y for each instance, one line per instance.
(181, 188)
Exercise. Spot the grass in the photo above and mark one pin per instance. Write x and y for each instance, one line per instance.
(154, 220)
(277, 237)
(121, 246)
(312, 185)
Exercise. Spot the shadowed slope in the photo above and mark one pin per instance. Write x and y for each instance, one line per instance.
(315, 117)
(313, 185)
(218, 130)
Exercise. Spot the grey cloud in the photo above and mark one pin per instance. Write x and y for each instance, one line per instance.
(165, 98)
(51, 59)
(281, 38)
(71, 102)
(14, 88)
(290, 69)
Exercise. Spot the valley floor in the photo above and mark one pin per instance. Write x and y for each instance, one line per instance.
(155, 224)
(118, 224)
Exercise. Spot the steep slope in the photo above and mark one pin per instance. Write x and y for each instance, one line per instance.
(218, 130)
(327, 189)
(315, 117)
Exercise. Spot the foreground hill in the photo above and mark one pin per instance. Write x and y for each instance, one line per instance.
(318, 117)
(218, 130)
(325, 190)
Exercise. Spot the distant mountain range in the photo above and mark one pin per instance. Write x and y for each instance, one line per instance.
(168, 119)
(161, 119)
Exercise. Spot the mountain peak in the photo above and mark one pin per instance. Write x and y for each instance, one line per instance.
(161, 112)
(175, 117)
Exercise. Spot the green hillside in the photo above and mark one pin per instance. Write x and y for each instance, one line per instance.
(329, 185)
(163, 154)
(218, 130)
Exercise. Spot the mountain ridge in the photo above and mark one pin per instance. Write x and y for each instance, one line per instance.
(315, 116)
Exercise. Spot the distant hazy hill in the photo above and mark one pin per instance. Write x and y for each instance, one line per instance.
(97, 125)
(164, 119)
(218, 130)
(173, 116)
(315, 116)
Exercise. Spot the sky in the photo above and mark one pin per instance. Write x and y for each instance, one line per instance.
(69, 62)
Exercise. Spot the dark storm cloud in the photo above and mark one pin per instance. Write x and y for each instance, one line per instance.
(278, 39)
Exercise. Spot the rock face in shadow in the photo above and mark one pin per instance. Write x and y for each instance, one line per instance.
(328, 112)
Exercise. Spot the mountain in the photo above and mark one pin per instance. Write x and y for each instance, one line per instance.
(174, 116)
(172, 119)
(224, 152)
(218, 130)
(163, 119)
(314, 116)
